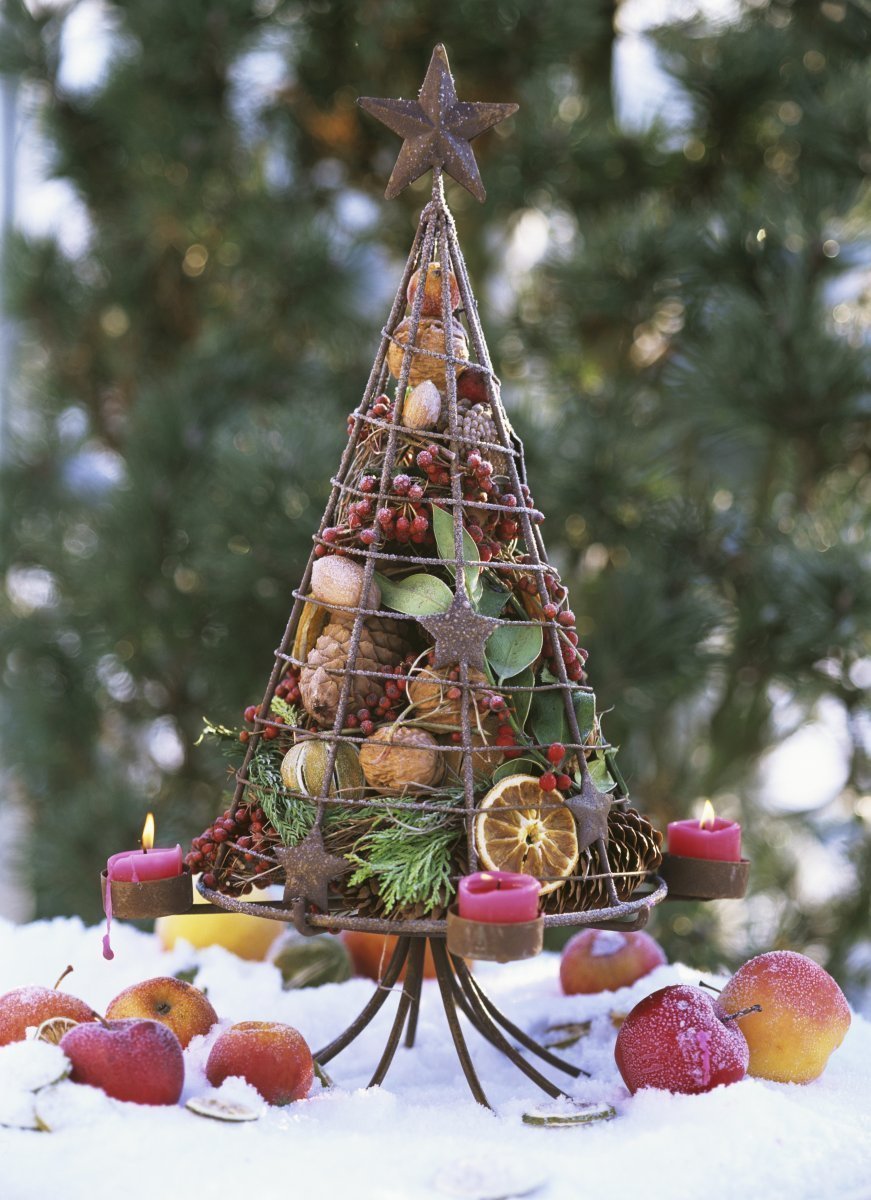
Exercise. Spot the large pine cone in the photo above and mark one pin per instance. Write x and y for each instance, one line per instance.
(430, 336)
(382, 644)
(634, 848)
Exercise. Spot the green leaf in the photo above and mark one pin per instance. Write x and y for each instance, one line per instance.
(516, 766)
(511, 648)
(443, 528)
(522, 700)
(549, 720)
(416, 595)
(600, 775)
(491, 601)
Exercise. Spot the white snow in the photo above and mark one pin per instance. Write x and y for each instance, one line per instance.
(420, 1136)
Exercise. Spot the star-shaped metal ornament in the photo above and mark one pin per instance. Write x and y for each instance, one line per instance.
(590, 810)
(460, 634)
(437, 129)
(309, 869)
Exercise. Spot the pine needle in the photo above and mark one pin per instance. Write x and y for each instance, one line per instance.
(410, 857)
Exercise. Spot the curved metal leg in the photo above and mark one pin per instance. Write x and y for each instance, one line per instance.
(406, 1000)
(443, 975)
(381, 993)
(499, 1018)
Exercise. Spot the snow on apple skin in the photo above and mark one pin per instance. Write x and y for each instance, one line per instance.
(676, 1039)
(28, 1007)
(602, 960)
(135, 1060)
(804, 1017)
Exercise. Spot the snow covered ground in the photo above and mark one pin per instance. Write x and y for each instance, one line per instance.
(421, 1136)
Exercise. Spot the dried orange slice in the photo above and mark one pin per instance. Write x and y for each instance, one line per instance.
(520, 827)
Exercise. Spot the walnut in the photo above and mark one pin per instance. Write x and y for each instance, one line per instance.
(397, 759)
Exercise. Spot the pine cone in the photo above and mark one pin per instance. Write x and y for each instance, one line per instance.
(381, 645)
(476, 425)
(634, 848)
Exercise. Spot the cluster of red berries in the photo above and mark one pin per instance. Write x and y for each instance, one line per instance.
(403, 517)
(435, 462)
(251, 838)
(574, 656)
(381, 407)
(550, 781)
(287, 690)
(384, 708)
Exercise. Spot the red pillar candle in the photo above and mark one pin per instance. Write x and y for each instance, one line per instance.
(498, 897)
(712, 837)
(139, 866)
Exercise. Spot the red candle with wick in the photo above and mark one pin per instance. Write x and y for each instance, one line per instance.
(139, 866)
(499, 897)
(712, 837)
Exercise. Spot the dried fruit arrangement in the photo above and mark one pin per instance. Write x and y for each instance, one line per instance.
(429, 710)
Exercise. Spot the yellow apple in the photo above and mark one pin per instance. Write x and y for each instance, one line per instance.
(247, 937)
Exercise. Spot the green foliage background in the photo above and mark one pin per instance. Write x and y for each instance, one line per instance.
(691, 384)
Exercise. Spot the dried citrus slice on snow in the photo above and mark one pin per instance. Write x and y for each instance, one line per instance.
(520, 827)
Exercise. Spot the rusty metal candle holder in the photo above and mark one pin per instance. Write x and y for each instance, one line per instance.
(704, 878)
(491, 942)
(151, 898)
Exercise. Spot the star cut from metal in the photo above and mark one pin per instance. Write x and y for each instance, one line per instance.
(437, 129)
(460, 634)
(309, 869)
(590, 810)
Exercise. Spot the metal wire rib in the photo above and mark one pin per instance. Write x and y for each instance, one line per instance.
(435, 240)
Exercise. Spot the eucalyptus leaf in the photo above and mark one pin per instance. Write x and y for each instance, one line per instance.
(516, 766)
(600, 775)
(491, 601)
(443, 528)
(522, 700)
(549, 720)
(416, 595)
(511, 648)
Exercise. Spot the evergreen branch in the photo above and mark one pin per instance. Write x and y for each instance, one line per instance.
(411, 864)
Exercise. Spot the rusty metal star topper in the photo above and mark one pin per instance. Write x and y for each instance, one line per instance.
(437, 128)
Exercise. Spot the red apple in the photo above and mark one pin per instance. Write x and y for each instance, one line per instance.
(178, 1005)
(140, 1061)
(273, 1058)
(371, 954)
(432, 292)
(681, 1040)
(602, 960)
(804, 1015)
(30, 1006)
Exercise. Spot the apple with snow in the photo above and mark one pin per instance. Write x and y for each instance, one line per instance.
(804, 1015)
(272, 1057)
(140, 1061)
(28, 1007)
(602, 960)
(180, 1006)
(681, 1040)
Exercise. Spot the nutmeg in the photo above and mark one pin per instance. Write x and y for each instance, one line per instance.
(430, 336)
(338, 583)
(397, 759)
(422, 407)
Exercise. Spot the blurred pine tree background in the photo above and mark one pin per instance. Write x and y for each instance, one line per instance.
(676, 297)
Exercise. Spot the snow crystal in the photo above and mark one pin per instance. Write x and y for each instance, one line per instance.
(409, 1139)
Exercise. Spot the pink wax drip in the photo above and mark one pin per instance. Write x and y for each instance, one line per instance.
(137, 866)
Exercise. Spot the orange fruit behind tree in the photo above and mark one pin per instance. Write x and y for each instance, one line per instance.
(371, 954)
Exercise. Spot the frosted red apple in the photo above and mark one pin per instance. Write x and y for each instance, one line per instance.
(30, 1006)
(804, 1016)
(602, 960)
(140, 1061)
(272, 1057)
(679, 1039)
(180, 1006)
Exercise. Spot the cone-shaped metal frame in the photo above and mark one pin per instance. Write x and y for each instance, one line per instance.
(435, 238)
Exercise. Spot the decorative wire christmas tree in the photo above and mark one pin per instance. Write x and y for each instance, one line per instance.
(428, 712)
